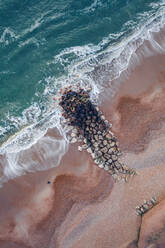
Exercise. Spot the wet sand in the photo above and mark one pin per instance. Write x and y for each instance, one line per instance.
(83, 206)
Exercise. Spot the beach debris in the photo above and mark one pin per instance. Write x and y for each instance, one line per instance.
(89, 126)
(146, 206)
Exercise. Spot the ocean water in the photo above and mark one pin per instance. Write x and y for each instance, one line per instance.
(46, 45)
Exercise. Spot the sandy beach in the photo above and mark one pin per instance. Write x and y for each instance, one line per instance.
(77, 204)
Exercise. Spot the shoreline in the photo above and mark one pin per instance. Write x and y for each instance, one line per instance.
(150, 32)
(83, 206)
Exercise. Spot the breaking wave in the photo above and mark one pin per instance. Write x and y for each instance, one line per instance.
(7, 36)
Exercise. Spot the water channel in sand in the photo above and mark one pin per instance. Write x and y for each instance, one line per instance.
(83, 206)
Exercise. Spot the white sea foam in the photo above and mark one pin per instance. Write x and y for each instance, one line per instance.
(2, 130)
(29, 135)
(29, 41)
(36, 24)
(10, 35)
(46, 153)
(86, 65)
(7, 36)
(111, 60)
(93, 6)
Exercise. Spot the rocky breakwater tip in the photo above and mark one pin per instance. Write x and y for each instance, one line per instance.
(89, 127)
(146, 206)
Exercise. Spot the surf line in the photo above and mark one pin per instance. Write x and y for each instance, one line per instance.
(89, 127)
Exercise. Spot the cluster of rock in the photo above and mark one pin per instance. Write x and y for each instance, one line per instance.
(90, 127)
(147, 205)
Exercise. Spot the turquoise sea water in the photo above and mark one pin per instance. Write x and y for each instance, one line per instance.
(47, 44)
